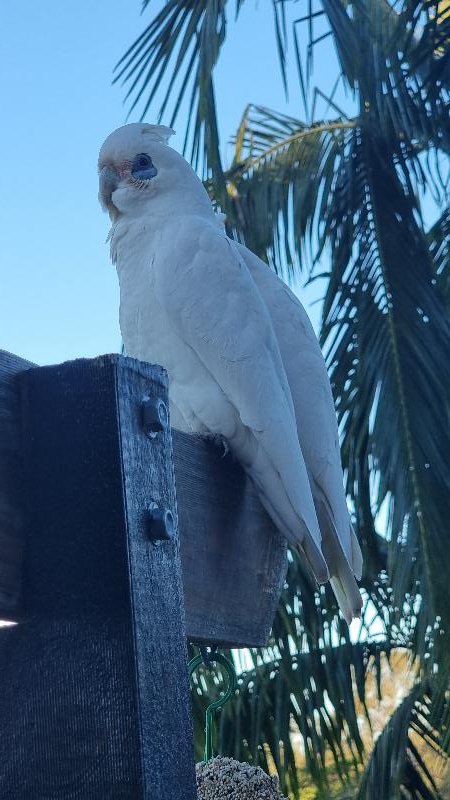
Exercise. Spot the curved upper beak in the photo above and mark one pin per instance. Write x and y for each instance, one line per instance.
(108, 182)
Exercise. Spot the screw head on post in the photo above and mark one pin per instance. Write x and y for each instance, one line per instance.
(161, 524)
(154, 416)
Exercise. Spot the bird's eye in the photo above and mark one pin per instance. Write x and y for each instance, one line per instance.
(143, 167)
(143, 160)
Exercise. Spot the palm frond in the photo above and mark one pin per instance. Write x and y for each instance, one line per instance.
(185, 36)
(438, 239)
(429, 53)
(386, 333)
(281, 37)
(282, 169)
(393, 56)
(397, 766)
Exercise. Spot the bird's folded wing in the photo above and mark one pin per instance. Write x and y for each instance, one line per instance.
(314, 410)
(215, 307)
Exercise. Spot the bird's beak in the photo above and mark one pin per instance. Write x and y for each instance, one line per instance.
(109, 180)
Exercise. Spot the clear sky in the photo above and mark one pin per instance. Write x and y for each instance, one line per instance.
(58, 291)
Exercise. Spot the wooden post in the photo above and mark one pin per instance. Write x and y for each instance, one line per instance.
(94, 692)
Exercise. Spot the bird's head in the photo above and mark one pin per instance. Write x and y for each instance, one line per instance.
(128, 160)
(137, 166)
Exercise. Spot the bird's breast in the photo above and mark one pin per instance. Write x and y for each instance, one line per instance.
(197, 404)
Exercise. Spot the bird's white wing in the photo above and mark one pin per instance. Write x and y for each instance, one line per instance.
(316, 423)
(212, 302)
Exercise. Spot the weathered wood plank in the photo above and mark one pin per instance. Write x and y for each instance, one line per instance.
(233, 559)
(157, 593)
(94, 699)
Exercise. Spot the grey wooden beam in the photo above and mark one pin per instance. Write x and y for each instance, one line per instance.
(233, 559)
(94, 696)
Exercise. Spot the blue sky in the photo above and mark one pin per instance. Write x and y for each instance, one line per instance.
(59, 295)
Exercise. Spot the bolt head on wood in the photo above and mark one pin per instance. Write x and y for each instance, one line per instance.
(161, 524)
(155, 417)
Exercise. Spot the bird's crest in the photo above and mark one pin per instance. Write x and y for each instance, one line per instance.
(159, 133)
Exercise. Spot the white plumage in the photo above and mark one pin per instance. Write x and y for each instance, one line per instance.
(243, 361)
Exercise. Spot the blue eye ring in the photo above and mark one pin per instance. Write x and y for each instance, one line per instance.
(143, 167)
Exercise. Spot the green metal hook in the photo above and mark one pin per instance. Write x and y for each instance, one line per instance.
(215, 658)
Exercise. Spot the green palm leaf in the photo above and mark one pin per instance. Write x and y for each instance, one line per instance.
(274, 179)
(438, 239)
(386, 332)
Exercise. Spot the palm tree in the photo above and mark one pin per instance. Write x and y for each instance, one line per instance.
(346, 190)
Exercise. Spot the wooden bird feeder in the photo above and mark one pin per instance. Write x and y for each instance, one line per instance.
(94, 488)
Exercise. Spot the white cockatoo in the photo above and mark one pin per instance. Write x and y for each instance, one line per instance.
(243, 361)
